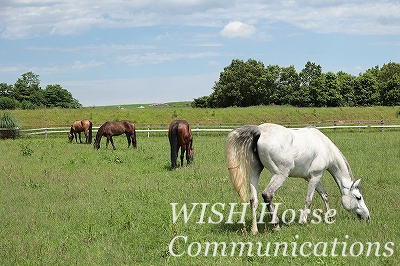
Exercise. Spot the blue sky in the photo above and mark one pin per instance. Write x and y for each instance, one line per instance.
(148, 51)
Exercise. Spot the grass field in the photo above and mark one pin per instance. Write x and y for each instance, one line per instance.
(157, 116)
(65, 203)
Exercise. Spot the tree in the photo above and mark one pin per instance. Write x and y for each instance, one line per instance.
(270, 82)
(27, 88)
(250, 83)
(366, 89)
(288, 82)
(346, 83)
(333, 97)
(389, 84)
(240, 84)
(27, 94)
(201, 102)
(5, 89)
(390, 91)
(309, 90)
(56, 96)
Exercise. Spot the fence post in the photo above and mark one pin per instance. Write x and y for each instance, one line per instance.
(359, 129)
(220, 129)
(197, 129)
(383, 125)
(334, 126)
(148, 131)
(45, 132)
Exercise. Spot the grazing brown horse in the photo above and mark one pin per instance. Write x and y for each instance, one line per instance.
(180, 136)
(79, 126)
(110, 129)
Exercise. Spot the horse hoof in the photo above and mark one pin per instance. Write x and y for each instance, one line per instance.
(276, 228)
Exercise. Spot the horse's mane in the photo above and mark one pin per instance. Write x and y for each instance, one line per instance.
(348, 166)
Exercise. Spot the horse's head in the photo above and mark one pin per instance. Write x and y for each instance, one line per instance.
(353, 201)
(70, 136)
(191, 154)
(96, 144)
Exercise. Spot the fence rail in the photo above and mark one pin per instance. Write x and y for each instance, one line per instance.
(197, 128)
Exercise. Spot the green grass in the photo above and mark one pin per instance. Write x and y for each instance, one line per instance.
(157, 116)
(66, 203)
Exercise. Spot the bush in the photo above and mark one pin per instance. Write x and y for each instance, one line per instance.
(9, 126)
(8, 103)
(26, 105)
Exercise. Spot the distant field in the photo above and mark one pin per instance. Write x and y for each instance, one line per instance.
(65, 203)
(157, 116)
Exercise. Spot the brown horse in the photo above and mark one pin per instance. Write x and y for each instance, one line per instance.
(180, 136)
(79, 126)
(110, 129)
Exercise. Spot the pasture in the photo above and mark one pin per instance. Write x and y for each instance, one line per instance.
(66, 203)
(162, 116)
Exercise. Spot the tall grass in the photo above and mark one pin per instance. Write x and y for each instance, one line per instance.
(157, 116)
(9, 126)
(66, 203)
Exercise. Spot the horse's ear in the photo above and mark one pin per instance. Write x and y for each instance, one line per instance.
(356, 184)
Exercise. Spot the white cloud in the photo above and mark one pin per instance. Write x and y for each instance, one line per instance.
(237, 29)
(25, 19)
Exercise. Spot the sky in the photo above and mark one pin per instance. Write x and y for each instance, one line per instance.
(147, 51)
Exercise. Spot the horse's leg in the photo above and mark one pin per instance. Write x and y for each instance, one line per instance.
(321, 191)
(276, 182)
(76, 137)
(112, 142)
(80, 140)
(187, 154)
(254, 175)
(312, 184)
(128, 137)
(86, 136)
(108, 140)
(182, 154)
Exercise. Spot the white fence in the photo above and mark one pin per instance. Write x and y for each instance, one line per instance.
(197, 128)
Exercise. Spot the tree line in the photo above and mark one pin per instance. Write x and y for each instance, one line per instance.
(26, 93)
(250, 83)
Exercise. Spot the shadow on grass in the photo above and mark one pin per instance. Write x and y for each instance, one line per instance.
(169, 167)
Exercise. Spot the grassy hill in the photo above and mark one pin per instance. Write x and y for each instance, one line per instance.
(157, 115)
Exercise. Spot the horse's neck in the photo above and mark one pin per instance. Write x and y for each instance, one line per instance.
(341, 172)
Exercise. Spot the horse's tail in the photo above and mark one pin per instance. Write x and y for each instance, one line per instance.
(173, 141)
(240, 144)
(90, 133)
(99, 134)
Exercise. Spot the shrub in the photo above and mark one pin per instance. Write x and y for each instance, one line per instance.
(26, 105)
(9, 126)
(8, 103)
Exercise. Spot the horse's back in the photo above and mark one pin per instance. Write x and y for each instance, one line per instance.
(86, 123)
(77, 126)
(119, 127)
(184, 133)
(296, 151)
(129, 126)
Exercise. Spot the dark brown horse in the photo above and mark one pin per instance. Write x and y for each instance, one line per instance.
(79, 126)
(110, 129)
(180, 136)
